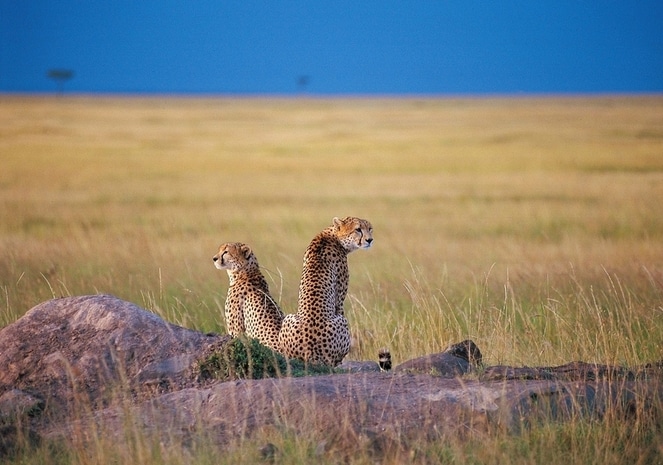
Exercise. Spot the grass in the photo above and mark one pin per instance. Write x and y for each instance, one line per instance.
(533, 226)
(245, 358)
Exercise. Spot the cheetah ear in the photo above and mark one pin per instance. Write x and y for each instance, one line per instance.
(337, 222)
(246, 250)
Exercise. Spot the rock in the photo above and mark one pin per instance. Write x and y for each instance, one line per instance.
(15, 402)
(14, 440)
(84, 347)
(456, 360)
(350, 366)
(574, 371)
(467, 350)
(385, 408)
(166, 370)
(268, 452)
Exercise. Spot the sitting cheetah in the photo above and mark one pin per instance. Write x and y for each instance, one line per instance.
(318, 332)
(250, 309)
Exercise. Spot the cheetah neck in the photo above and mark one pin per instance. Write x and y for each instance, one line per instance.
(328, 238)
(249, 275)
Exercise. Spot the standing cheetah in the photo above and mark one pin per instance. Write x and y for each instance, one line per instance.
(250, 309)
(318, 332)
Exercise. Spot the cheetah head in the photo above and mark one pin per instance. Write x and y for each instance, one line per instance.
(233, 256)
(354, 233)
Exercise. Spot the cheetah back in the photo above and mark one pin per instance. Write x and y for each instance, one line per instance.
(249, 308)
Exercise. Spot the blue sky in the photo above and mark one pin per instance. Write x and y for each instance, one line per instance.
(345, 47)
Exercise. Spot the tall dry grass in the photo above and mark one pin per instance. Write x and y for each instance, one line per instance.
(533, 226)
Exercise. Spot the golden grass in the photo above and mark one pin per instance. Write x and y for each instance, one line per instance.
(511, 221)
(532, 225)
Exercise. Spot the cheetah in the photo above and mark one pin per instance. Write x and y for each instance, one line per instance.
(250, 309)
(318, 333)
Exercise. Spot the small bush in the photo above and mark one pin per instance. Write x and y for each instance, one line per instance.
(244, 358)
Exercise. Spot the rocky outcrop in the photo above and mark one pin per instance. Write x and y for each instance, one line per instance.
(96, 350)
(78, 348)
(456, 360)
(371, 405)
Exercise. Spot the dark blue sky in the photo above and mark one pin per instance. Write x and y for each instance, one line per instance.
(345, 47)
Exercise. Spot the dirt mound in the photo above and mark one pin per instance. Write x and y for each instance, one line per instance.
(86, 350)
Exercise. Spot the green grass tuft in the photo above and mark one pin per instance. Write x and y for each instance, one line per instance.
(245, 358)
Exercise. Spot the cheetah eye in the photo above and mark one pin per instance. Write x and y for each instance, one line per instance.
(358, 230)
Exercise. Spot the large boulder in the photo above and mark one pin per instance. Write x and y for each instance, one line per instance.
(82, 347)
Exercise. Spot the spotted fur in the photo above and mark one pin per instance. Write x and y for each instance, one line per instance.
(249, 309)
(318, 332)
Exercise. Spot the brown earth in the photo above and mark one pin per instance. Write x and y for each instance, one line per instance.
(99, 351)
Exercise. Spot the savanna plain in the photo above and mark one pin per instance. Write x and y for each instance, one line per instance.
(533, 226)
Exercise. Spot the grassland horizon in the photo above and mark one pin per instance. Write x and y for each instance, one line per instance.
(533, 226)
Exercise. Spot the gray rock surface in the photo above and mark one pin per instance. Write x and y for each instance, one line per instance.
(456, 360)
(354, 409)
(15, 402)
(82, 346)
